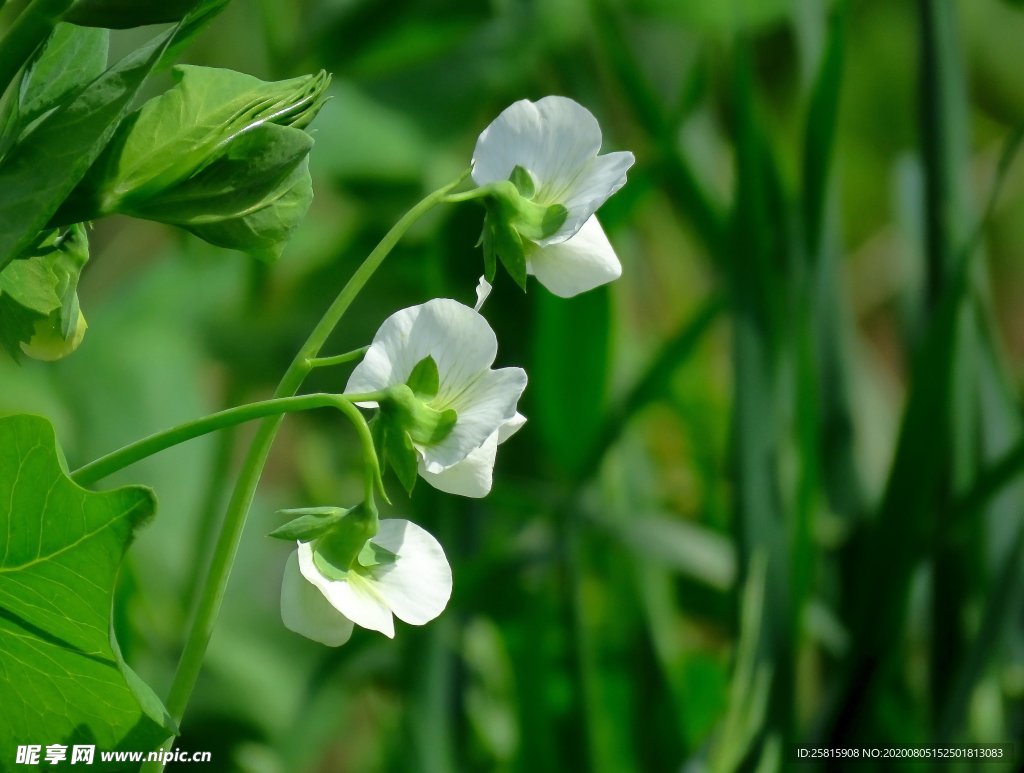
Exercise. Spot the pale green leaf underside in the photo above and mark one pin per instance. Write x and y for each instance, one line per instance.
(61, 676)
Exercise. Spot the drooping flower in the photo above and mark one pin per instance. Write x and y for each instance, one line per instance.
(549, 151)
(401, 573)
(473, 406)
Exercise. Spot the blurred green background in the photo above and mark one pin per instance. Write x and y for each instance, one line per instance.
(767, 493)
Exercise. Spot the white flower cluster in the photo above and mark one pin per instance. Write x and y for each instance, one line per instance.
(440, 403)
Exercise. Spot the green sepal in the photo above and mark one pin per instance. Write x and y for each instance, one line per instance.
(439, 426)
(402, 456)
(309, 523)
(373, 554)
(394, 449)
(424, 380)
(524, 182)
(486, 241)
(336, 550)
(424, 424)
(502, 241)
(378, 432)
(553, 219)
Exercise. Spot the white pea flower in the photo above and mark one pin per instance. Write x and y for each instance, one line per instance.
(413, 583)
(460, 347)
(549, 150)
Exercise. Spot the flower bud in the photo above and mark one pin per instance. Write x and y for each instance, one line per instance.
(49, 343)
(221, 154)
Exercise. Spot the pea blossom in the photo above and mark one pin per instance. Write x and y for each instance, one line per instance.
(476, 404)
(549, 150)
(408, 577)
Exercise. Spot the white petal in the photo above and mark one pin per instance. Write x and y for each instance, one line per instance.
(458, 338)
(472, 477)
(482, 408)
(511, 427)
(483, 290)
(554, 138)
(418, 584)
(306, 611)
(582, 263)
(592, 188)
(354, 597)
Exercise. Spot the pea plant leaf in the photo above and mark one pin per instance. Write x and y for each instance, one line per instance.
(263, 230)
(42, 168)
(62, 677)
(221, 154)
(71, 58)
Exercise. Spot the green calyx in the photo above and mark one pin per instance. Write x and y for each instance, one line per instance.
(408, 419)
(515, 202)
(346, 546)
(423, 424)
(407, 405)
(341, 537)
(514, 221)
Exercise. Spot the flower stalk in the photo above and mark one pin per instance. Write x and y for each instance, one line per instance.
(215, 585)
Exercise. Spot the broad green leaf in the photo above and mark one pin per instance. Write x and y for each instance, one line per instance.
(42, 169)
(63, 679)
(69, 60)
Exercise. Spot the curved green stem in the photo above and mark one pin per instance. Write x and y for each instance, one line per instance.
(476, 193)
(219, 571)
(374, 478)
(338, 359)
(29, 30)
(142, 449)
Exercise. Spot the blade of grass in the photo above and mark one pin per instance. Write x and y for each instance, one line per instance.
(945, 151)
(760, 288)
(935, 448)
(691, 201)
(829, 325)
